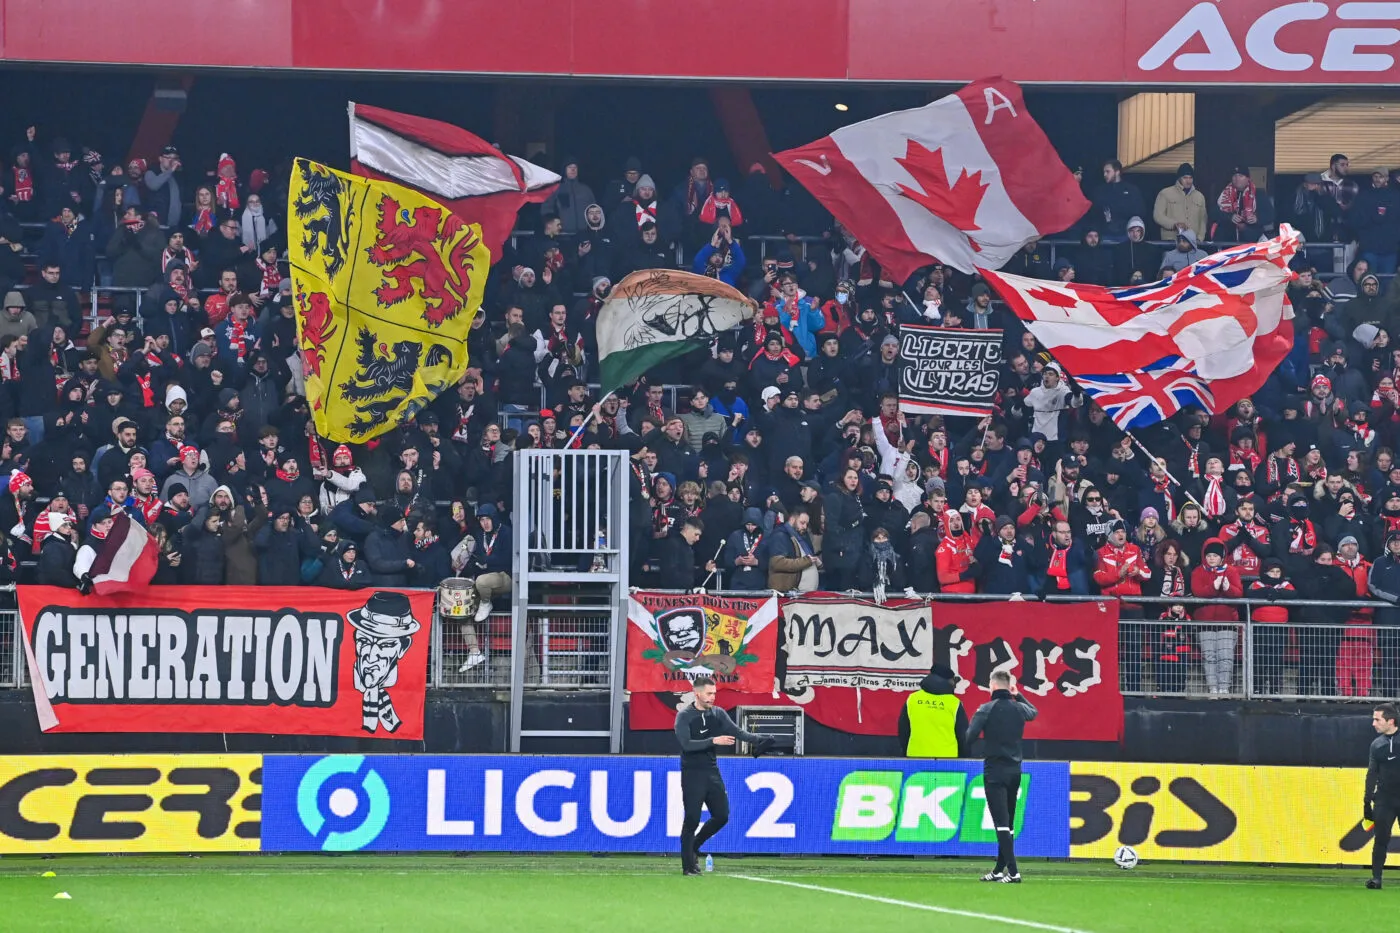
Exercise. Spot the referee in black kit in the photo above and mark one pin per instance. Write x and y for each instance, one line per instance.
(699, 729)
(1382, 803)
(1001, 721)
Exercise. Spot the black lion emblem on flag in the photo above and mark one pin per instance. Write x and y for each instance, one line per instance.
(325, 213)
(384, 378)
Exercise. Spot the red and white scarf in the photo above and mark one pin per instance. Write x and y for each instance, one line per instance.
(1059, 567)
(1236, 201)
(203, 220)
(1215, 497)
(1302, 536)
(646, 213)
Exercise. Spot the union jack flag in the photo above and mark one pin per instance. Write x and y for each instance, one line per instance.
(1146, 396)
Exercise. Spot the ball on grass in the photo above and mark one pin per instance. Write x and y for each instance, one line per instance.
(1126, 858)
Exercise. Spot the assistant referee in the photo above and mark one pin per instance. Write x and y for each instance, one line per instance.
(699, 729)
(1002, 721)
(1382, 786)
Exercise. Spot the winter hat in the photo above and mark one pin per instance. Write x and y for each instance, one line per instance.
(633, 164)
(890, 339)
(1365, 334)
(1321, 380)
(770, 392)
(141, 473)
(644, 182)
(188, 449)
(364, 494)
(721, 184)
(174, 393)
(225, 161)
(1150, 512)
(1273, 563)
(1117, 525)
(19, 478)
(226, 396)
(1004, 520)
(1392, 536)
(175, 489)
(1214, 546)
(1280, 436)
(61, 144)
(1183, 170)
(1347, 540)
(978, 290)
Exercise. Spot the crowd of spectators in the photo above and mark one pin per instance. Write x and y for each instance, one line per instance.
(783, 464)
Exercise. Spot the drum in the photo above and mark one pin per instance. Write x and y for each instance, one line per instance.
(457, 598)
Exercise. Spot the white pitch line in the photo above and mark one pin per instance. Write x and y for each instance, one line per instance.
(951, 911)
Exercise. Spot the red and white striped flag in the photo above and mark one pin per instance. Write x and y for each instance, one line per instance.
(127, 559)
(481, 184)
(967, 180)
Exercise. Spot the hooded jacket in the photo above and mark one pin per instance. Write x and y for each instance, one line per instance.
(745, 543)
(1176, 260)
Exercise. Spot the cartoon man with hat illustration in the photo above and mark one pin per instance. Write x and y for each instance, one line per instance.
(384, 629)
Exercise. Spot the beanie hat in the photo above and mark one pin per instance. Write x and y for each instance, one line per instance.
(18, 478)
(644, 182)
(175, 489)
(1183, 170)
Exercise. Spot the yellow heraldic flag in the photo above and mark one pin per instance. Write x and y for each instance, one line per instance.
(386, 282)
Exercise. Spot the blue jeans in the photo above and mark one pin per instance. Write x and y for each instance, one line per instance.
(1380, 263)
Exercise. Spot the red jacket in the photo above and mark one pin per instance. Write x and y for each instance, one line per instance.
(1111, 559)
(1203, 587)
(1238, 554)
(954, 560)
(1268, 612)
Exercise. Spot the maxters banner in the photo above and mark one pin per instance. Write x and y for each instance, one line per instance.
(56, 804)
(948, 370)
(851, 664)
(273, 660)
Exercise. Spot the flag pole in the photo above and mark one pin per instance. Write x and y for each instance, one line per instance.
(1155, 459)
(597, 407)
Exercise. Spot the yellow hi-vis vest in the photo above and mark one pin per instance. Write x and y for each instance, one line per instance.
(932, 725)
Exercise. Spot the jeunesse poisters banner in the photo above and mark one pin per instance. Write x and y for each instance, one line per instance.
(274, 660)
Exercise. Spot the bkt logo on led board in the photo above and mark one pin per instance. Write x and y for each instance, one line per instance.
(633, 804)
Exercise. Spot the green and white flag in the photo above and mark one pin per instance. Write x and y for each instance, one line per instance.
(656, 314)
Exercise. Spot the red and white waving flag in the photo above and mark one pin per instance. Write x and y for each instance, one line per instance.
(967, 180)
(481, 184)
(125, 559)
(1229, 314)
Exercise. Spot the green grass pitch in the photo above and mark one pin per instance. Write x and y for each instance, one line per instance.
(620, 894)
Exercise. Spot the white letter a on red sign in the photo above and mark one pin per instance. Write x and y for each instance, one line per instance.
(1202, 20)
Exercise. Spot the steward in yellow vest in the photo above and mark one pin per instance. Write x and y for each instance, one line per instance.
(933, 723)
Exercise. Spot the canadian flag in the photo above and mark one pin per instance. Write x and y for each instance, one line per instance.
(478, 182)
(967, 180)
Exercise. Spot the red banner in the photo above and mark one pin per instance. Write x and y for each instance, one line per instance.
(1190, 42)
(262, 659)
(674, 638)
(848, 663)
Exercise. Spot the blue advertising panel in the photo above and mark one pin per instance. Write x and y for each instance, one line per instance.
(546, 803)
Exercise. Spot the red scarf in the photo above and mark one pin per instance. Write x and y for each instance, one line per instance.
(1275, 473)
(203, 220)
(286, 477)
(646, 213)
(149, 506)
(236, 331)
(1215, 497)
(1364, 433)
(940, 460)
(1303, 537)
(271, 276)
(1059, 567)
(226, 193)
(1163, 487)
(1193, 458)
(1234, 201)
(24, 184)
(697, 195)
(1247, 458)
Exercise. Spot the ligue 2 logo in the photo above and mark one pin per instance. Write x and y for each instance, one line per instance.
(343, 804)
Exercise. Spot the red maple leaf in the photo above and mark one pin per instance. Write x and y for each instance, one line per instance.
(956, 203)
(1053, 297)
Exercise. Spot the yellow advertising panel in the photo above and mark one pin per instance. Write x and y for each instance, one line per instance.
(130, 803)
(1219, 813)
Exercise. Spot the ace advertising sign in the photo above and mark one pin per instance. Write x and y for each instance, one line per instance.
(524, 803)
